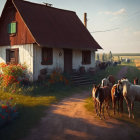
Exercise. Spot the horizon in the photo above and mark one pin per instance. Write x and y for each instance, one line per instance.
(113, 24)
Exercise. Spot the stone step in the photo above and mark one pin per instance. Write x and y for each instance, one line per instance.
(82, 80)
(79, 78)
(84, 83)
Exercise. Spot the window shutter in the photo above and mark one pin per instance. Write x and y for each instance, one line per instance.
(17, 56)
(50, 56)
(9, 28)
(13, 28)
(7, 56)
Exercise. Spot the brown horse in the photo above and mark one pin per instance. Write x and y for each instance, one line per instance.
(116, 94)
(101, 96)
(111, 79)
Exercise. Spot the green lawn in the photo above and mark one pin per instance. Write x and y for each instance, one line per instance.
(100, 74)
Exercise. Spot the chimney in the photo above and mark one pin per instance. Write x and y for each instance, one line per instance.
(48, 4)
(85, 19)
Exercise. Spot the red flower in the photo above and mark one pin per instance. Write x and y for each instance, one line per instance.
(4, 106)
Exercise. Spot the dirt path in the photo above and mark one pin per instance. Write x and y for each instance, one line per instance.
(69, 120)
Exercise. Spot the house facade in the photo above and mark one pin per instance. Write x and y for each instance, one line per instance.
(44, 37)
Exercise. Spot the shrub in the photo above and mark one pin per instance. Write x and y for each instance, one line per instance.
(11, 74)
(8, 111)
(57, 77)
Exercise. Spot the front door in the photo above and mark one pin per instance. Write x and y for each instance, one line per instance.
(67, 60)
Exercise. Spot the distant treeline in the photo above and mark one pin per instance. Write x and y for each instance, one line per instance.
(126, 54)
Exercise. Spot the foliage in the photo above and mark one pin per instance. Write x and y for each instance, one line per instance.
(103, 57)
(8, 111)
(98, 58)
(11, 74)
(57, 77)
(119, 59)
(110, 56)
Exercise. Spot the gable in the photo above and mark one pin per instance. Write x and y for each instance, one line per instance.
(22, 36)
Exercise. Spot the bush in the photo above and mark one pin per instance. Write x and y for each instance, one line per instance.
(57, 77)
(8, 111)
(11, 75)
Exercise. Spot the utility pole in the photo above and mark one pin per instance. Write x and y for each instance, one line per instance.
(85, 19)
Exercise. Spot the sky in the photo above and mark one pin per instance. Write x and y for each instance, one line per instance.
(114, 24)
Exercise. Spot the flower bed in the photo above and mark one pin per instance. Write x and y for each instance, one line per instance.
(8, 111)
(11, 75)
(57, 77)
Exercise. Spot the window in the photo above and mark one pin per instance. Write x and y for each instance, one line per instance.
(86, 57)
(12, 56)
(12, 28)
(47, 56)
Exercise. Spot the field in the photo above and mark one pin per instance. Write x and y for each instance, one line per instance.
(137, 63)
(128, 57)
(132, 56)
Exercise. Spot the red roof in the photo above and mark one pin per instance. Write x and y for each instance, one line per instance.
(54, 27)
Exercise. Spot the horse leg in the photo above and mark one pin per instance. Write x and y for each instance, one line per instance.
(118, 106)
(107, 109)
(100, 105)
(103, 111)
(121, 104)
(128, 105)
(114, 105)
(132, 107)
(96, 107)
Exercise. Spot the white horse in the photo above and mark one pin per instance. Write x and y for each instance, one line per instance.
(105, 82)
(131, 93)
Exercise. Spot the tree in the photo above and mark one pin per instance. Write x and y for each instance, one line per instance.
(98, 58)
(103, 57)
(110, 56)
(119, 58)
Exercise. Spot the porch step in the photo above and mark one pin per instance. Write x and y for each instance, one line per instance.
(81, 79)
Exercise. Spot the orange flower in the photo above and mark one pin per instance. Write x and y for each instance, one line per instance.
(61, 78)
(66, 82)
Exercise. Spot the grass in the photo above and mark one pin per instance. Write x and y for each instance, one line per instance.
(112, 70)
(31, 108)
(131, 74)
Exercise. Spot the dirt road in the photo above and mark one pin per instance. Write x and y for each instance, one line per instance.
(69, 120)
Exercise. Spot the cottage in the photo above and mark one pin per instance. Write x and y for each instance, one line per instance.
(44, 37)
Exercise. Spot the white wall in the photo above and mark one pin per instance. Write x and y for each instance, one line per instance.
(31, 55)
(25, 56)
(77, 60)
(58, 61)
